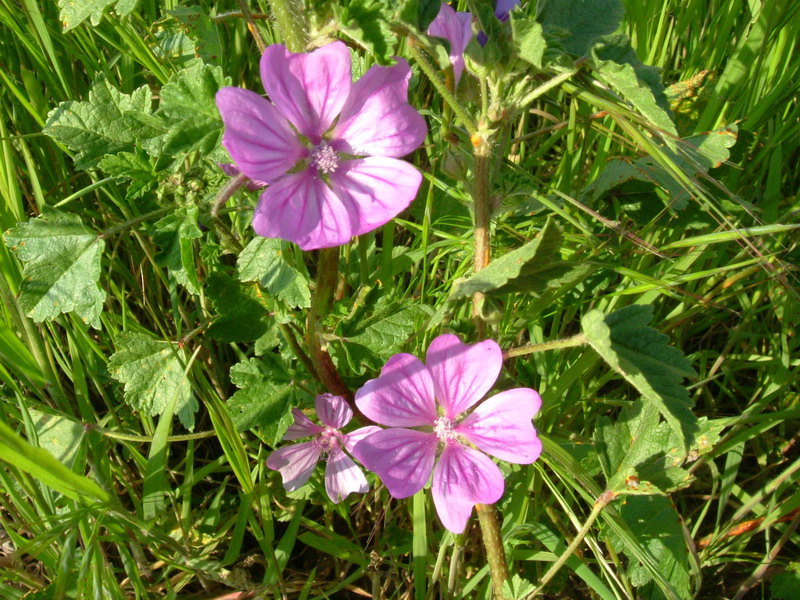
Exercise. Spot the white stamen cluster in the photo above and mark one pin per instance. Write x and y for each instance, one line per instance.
(444, 429)
(324, 159)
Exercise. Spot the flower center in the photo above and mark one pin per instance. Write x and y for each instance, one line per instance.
(328, 440)
(323, 158)
(444, 429)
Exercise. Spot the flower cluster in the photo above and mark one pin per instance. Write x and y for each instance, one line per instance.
(433, 429)
(326, 147)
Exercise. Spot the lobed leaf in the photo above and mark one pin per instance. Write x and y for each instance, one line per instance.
(241, 316)
(578, 23)
(262, 260)
(75, 12)
(153, 374)
(61, 258)
(640, 354)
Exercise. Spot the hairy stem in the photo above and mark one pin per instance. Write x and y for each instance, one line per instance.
(291, 20)
(599, 504)
(483, 214)
(493, 543)
(570, 342)
(441, 87)
(321, 303)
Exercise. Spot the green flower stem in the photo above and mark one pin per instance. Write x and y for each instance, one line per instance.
(288, 335)
(291, 21)
(140, 219)
(547, 86)
(575, 340)
(321, 304)
(441, 87)
(599, 504)
(129, 437)
(493, 543)
(483, 215)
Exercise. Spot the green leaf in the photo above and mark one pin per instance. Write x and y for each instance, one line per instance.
(533, 268)
(641, 355)
(639, 454)
(100, 125)
(616, 64)
(242, 317)
(75, 12)
(578, 23)
(264, 398)
(363, 22)
(263, 260)
(43, 466)
(188, 119)
(134, 166)
(656, 525)
(59, 435)
(529, 40)
(62, 267)
(786, 585)
(153, 374)
(419, 14)
(174, 234)
(196, 34)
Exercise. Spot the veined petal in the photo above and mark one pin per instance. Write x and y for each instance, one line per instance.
(402, 396)
(376, 189)
(257, 137)
(402, 458)
(462, 478)
(377, 119)
(301, 208)
(343, 477)
(295, 463)
(462, 374)
(456, 28)
(333, 410)
(302, 427)
(501, 426)
(352, 438)
(309, 89)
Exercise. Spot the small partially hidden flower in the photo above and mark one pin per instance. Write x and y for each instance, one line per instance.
(296, 462)
(503, 7)
(435, 397)
(456, 28)
(327, 147)
(232, 171)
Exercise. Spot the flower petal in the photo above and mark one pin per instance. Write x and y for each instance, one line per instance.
(333, 410)
(295, 463)
(456, 28)
(462, 373)
(301, 208)
(257, 137)
(503, 7)
(402, 458)
(309, 89)
(343, 477)
(462, 478)
(402, 396)
(501, 426)
(377, 119)
(376, 189)
(302, 427)
(352, 438)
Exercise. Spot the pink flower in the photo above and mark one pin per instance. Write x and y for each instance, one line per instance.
(456, 376)
(456, 28)
(326, 146)
(296, 462)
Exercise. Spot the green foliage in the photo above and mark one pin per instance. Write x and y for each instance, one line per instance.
(265, 396)
(533, 268)
(786, 585)
(656, 524)
(529, 39)
(62, 267)
(578, 23)
(174, 235)
(135, 166)
(59, 435)
(363, 21)
(153, 372)
(242, 317)
(263, 260)
(640, 354)
(418, 14)
(100, 125)
(75, 12)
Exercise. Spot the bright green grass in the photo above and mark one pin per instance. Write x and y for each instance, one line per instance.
(222, 521)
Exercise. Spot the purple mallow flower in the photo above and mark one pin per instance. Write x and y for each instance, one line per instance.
(435, 396)
(326, 146)
(503, 7)
(296, 462)
(456, 28)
